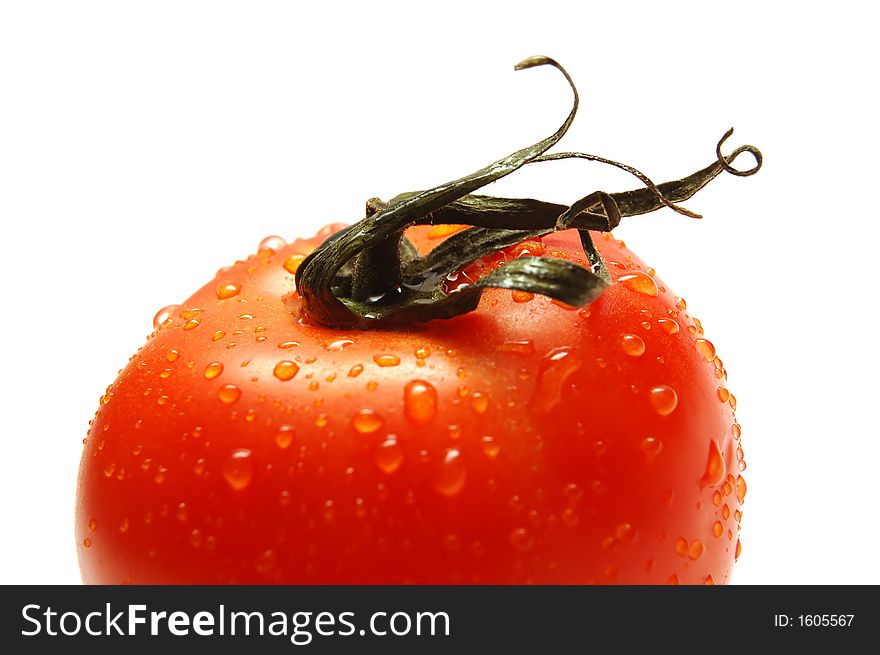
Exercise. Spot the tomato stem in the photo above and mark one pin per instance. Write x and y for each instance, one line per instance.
(369, 275)
(377, 270)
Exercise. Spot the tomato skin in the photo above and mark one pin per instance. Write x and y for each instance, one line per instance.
(531, 448)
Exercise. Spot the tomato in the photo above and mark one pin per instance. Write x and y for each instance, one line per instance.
(305, 417)
(525, 442)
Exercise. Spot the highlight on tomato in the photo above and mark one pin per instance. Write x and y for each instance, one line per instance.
(458, 388)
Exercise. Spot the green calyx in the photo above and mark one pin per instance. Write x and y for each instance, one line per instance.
(370, 276)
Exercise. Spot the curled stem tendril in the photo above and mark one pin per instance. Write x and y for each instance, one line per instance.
(369, 275)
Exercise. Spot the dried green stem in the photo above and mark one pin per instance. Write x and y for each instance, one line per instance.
(369, 275)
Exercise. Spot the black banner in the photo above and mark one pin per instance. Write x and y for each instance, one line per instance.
(433, 619)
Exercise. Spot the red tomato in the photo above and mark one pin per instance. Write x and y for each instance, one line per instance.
(524, 442)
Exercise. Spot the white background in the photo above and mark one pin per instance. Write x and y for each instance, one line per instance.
(144, 145)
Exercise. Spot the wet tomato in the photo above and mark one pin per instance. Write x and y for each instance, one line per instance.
(408, 400)
(528, 441)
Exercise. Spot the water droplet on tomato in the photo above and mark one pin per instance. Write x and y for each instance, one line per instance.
(419, 402)
(191, 324)
(664, 399)
(386, 360)
(554, 372)
(715, 468)
(681, 546)
(284, 436)
(87, 543)
(740, 488)
(738, 549)
(668, 325)
(389, 455)
(338, 344)
(123, 525)
(717, 528)
(491, 448)
(219, 334)
(633, 345)
(173, 355)
(572, 492)
(709, 580)
(164, 316)
(273, 243)
(190, 312)
(625, 532)
(228, 394)
(723, 394)
(212, 370)
(737, 431)
(652, 447)
(570, 517)
(705, 348)
(227, 290)
(238, 469)
(451, 477)
(521, 539)
(519, 347)
(366, 421)
(695, 550)
(479, 402)
(639, 282)
(285, 370)
(93, 525)
(522, 296)
(266, 562)
(292, 263)
(355, 370)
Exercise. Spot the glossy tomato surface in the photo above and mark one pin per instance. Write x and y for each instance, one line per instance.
(526, 442)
